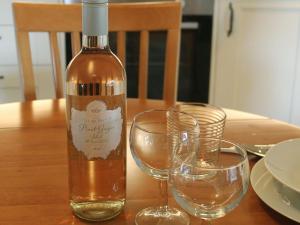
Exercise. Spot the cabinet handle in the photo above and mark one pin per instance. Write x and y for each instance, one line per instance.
(231, 18)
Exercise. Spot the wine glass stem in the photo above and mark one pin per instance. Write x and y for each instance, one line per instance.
(206, 222)
(163, 187)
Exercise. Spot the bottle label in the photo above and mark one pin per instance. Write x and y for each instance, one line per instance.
(96, 132)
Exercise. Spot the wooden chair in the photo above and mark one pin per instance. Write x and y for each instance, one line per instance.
(123, 17)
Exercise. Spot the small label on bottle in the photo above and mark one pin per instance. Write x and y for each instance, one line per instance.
(96, 132)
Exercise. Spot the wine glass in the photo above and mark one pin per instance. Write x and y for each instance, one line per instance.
(153, 136)
(209, 190)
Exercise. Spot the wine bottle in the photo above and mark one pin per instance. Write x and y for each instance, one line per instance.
(96, 121)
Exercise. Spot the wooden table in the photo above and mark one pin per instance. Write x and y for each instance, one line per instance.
(33, 166)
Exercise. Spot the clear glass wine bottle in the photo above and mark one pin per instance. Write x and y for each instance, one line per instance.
(96, 121)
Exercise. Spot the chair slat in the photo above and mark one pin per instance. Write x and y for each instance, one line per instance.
(121, 17)
(25, 65)
(75, 40)
(143, 65)
(121, 46)
(57, 75)
(171, 71)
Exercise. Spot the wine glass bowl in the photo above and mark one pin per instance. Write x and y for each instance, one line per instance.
(209, 191)
(149, 149)
(153, 134)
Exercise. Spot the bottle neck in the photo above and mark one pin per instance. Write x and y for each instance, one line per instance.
(95, 25)
(99, 42)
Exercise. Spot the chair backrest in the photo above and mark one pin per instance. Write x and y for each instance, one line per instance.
(123, 17)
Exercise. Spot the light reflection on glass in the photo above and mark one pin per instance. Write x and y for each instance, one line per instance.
(92, 168)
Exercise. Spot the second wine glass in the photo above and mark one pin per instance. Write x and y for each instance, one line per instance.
(153, 136)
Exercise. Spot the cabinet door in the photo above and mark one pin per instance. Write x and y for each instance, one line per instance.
(8, 51)
(10, 83)
(6, 16)
(256, 67)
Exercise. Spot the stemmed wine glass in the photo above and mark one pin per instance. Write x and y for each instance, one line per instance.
(209, 190)
(153, 136)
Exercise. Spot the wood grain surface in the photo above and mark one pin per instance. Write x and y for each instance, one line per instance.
(33, 166)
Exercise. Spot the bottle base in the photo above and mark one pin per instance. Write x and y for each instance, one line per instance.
(97, 210)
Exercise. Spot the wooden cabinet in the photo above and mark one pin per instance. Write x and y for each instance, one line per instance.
(256, 57)
(10, 82)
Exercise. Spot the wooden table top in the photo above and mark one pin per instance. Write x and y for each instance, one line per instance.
(33, 166)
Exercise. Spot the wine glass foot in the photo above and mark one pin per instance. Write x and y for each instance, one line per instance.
(161, 216)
